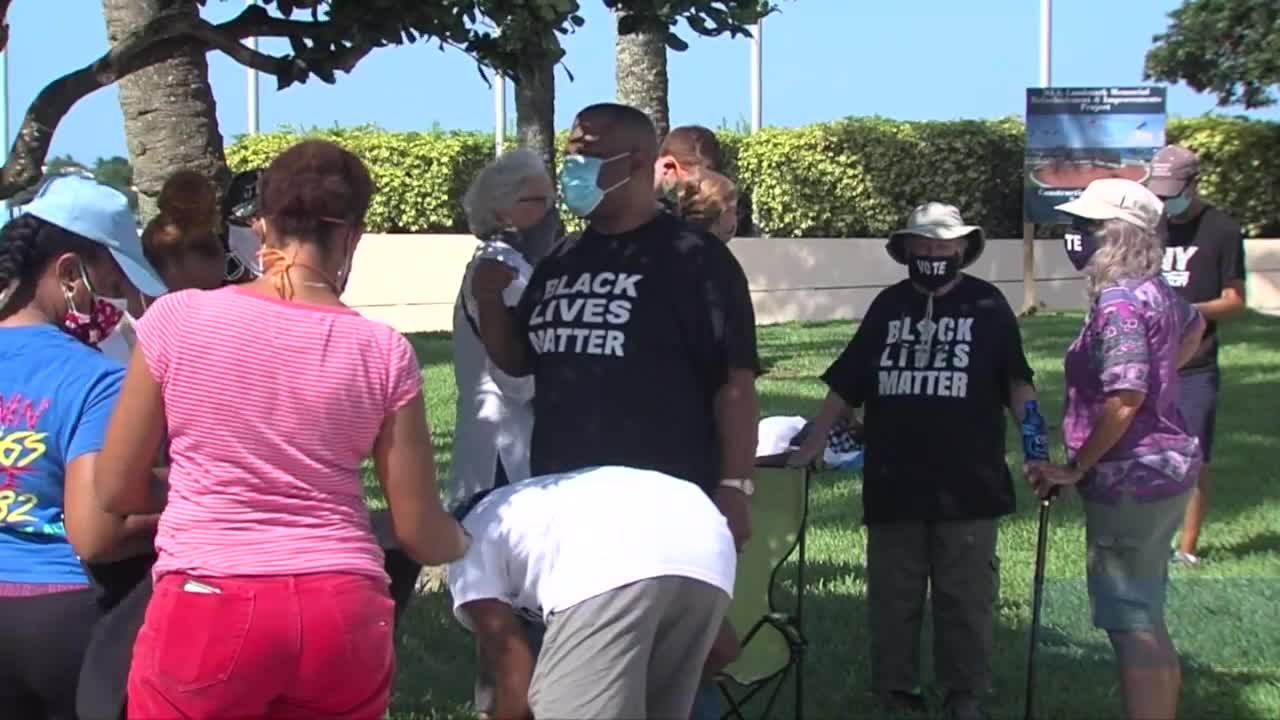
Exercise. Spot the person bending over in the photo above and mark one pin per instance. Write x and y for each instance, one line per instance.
(632, 572)
(510, 208)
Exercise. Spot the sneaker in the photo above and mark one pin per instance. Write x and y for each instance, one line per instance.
(962, 706)
(1184, 559)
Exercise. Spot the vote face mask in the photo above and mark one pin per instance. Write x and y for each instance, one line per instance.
(1080, 243)
(932, 272)
(580, 183)
(94, 326)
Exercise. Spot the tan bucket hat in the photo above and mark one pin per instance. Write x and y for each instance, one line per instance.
(939, 221)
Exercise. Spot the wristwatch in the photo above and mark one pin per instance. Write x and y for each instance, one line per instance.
(742, 485)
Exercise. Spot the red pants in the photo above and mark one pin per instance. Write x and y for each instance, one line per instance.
(308, 646)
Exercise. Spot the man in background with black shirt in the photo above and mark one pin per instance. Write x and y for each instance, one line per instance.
(639, 332)
(1204, 262)
(936, 362)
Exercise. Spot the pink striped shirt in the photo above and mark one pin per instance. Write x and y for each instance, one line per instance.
(271, 407)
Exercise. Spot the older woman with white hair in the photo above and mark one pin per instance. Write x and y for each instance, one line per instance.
(1131, 454)
(510, 208)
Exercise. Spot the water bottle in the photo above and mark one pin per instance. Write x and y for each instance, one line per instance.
(1035, 441)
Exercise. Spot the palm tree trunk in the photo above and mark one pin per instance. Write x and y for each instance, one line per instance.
(170, 117)
(640, 72)
(536, 111)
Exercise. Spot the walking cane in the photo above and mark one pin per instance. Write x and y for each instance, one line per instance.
(1037, 599)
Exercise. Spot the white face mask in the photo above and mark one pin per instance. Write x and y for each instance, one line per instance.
(245, 244)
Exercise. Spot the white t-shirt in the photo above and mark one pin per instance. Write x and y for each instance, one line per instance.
(551, 542)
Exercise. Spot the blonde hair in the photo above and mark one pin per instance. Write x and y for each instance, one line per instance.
(1125, 252)
(704, 197)
(187, 220)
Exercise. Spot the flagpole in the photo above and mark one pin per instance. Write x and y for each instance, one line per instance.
(252, 100)
(1046, 43)
(757, 77)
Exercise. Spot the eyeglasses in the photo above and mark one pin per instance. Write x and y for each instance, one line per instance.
(539, 200)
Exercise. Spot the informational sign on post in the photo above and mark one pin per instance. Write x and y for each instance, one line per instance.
(1078, 135)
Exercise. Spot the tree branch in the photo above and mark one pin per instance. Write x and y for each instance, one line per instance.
(160, 40)
(4, 25)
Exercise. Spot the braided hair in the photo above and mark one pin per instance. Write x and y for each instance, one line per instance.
(27, 245)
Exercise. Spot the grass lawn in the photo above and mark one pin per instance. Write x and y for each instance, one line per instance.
(1223, 616)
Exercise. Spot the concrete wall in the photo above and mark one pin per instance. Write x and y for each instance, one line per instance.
(411, 281)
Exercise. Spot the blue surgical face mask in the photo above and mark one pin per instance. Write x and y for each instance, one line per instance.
(580, 183)
(1178, 204)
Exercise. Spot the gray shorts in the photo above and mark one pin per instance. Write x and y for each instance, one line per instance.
(1128, 562)
(633, 653)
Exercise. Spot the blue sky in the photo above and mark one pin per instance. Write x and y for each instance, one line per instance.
(823, 59)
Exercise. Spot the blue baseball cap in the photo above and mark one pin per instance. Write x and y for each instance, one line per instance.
(99, 213)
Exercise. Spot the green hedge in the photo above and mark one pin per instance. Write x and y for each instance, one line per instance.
(856, 177)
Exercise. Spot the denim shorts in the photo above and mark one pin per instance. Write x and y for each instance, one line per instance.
(1198, 401)
(1128, 562)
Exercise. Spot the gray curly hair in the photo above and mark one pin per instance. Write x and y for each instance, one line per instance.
(497, 188)
(1125, 252)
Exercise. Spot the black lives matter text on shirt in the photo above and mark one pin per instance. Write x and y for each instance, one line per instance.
(1201, 258)
(631, 337)
(935, 388)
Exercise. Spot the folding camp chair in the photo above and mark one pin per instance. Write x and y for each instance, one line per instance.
(771, 629)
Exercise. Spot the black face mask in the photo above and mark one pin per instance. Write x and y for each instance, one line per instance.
(536, 241)
(932, 273)
(1080, 243)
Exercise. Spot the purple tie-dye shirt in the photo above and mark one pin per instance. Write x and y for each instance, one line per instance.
(1131, 341)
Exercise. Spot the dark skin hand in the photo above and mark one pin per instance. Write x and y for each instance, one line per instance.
(497, 326)
(736, 409)
(99, 536)
(504, 647)
(125, 482)
(403, 460)
(724, 650)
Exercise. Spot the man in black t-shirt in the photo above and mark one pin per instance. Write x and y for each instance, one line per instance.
(1204, 262)
(935, 363)
(639, 332)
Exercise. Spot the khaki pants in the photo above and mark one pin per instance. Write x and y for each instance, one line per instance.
(958, 560)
